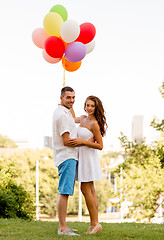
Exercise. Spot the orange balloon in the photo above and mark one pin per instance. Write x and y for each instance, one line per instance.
(70, 66)
(65, 44)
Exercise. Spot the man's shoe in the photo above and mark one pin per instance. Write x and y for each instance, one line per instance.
(74, 230)
(67, 232)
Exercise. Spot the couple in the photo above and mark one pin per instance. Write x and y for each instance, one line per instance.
(66, 139)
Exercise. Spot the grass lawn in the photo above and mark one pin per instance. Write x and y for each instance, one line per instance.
(17, 229)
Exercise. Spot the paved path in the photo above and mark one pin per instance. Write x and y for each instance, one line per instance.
(102, 218)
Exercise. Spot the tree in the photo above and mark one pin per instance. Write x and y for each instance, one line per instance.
(159, 126)
(48, 176)
(160, 149)
(23, 172)
(6, 142)
(161, 89)
(15, 201)
(20, 169)
(142, 178)
(103, 194)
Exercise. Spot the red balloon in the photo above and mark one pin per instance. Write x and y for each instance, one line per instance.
(87, 33)
(54, 47)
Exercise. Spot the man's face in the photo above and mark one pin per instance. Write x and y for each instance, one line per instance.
(68, 99)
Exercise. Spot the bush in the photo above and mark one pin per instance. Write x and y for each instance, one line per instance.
(15, 202)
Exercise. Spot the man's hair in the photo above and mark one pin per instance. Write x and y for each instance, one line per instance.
(64, 89)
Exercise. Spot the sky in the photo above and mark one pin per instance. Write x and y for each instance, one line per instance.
(125, 69)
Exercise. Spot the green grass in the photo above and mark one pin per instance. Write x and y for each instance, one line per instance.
(17, 229)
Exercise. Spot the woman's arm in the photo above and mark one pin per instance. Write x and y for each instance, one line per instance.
(77, 119)
(98, 144)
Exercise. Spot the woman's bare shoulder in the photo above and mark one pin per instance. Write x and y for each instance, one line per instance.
(83, 117)
(95, 124)
(79, 119)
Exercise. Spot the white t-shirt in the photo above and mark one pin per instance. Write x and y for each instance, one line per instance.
(63, 122)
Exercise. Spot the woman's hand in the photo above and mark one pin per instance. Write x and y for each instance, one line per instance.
(77, 142)
(74, 142)
(92, 139)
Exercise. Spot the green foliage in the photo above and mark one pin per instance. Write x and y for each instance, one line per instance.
(105, 158)
(142, 178)
(25, 175)
(143, 186)
(102, 191)
(103, 194)
(160, 152)
(136, 153)
(161, 89)
(48, 176)
(159, 148)
(143, 172)
(6, 142)
(8, 170)
(15, 201)
(73, 201)
(21, 169)
(159, 126)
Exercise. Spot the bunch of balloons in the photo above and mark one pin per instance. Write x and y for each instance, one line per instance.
(64, 40)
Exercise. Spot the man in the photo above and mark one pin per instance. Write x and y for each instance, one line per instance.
(65, 156)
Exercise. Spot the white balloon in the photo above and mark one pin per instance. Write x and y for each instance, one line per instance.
(90, 46)
(69, 31)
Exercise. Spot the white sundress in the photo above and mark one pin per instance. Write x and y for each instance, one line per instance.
(89, 168)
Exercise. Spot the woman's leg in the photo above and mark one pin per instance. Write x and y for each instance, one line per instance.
(95, 197)
(89, 193)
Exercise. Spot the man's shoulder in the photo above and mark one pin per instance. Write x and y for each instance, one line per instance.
(57, 110)
(59, 113)
(61, 109)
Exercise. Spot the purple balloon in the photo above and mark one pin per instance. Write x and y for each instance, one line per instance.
(75, 52)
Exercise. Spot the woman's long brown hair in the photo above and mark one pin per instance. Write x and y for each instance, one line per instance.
(99, 113)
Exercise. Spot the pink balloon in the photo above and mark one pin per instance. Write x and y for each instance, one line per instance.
(50, 59)
(39, 36)
(75, 52)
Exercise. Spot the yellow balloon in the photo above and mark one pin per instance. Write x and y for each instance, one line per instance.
(52, 23)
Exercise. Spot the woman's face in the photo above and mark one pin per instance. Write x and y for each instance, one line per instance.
(90, 107)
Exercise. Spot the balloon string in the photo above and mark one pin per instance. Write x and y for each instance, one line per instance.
(64, 72)
(64, 78)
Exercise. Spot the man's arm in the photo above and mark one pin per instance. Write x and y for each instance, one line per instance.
(66, 139)
(97, 144)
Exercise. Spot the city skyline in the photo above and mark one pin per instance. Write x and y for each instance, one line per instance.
(124, 70)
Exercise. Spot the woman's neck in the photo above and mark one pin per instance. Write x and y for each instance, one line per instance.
(90, 117)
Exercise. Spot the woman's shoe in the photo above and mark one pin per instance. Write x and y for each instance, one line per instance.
(97, 229)
(88, 231)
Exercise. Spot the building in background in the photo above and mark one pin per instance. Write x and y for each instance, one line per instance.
(48, 142)
(137, 129)
(23, 143)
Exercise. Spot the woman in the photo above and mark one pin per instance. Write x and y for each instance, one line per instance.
(90, 132)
